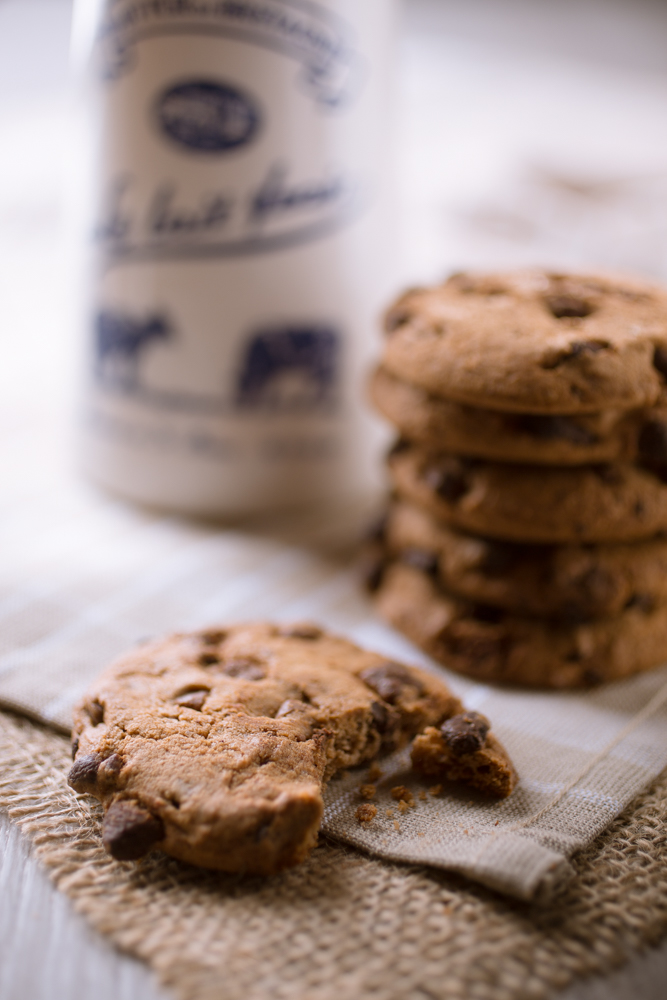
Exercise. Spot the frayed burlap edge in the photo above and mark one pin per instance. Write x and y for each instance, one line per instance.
(341, 924)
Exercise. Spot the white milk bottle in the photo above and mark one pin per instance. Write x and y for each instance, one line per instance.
(239, 249)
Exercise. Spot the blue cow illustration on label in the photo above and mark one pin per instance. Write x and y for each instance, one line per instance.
(290, 369)
(120, 342)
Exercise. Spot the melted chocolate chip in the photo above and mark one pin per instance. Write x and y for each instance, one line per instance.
(465, 733)
(245, 669)
(552, 428)
(449, 483)
(421, 559)
(129, 830)
(82, 775)
(390, 680)
(568, 306)
(95, 712)
(75, 747)
(303, 630)
(660, 359)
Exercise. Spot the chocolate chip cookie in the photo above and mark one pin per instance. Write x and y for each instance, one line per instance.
(545, 439)
(533, 341)
(599, 503)
(566, 583)
(490, 644)
(214, 746)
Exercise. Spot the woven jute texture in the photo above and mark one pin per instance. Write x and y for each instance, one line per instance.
(342, 924)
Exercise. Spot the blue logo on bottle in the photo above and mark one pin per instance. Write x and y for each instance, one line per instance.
(207, 116)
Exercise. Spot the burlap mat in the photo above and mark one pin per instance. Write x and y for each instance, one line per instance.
(342, 924)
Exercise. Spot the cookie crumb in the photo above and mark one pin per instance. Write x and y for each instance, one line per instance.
(402, 794)
(423, 796)
(420, 833)
(374, 772)
(367, 791)
(366, 813)
(435, 790)
(403, 806)
(397, 826)
(389, 813)
(497, 822)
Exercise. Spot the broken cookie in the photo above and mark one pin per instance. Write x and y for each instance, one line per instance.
(214, 746)
(463, 749)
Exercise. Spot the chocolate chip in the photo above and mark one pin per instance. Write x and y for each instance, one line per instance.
(573, 613)
(660, 359)
(643, 602)
(390, 680)
(385, 719)
(499, 558)
(591, 676)
(465, 733)
(112, 765)
(477, 649)
(395, 318)
(82, 775)
(303, 630)
(450, 483)
(207, 659)
(576, 349)
(397, 448)
(75, 747)
(371, 567)
(487, 613)
(95, 712)
(213, 636)
(377, 531)
(420, 559)
(652, 447)
(598, 586)
(609, 474)
(129, 830)
(245, 669)
(193, 699)
(552, 428)
(568, 306)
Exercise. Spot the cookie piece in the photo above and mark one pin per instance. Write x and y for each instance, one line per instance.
(533, 341)
(489, 644)
(544, 439)
(600, 503)
(214, 746)
(463, 749)
(569, 583)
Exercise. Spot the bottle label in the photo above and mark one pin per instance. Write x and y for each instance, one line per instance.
(237, 247)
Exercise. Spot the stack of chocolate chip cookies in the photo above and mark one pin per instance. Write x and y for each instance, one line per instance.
(526, 538)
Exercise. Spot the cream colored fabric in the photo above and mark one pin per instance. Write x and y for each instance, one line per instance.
(342, 924)
(84, 577)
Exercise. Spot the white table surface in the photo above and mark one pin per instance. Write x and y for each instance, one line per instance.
(528, 131)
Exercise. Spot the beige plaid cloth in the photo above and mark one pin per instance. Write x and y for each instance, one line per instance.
(84, 577)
